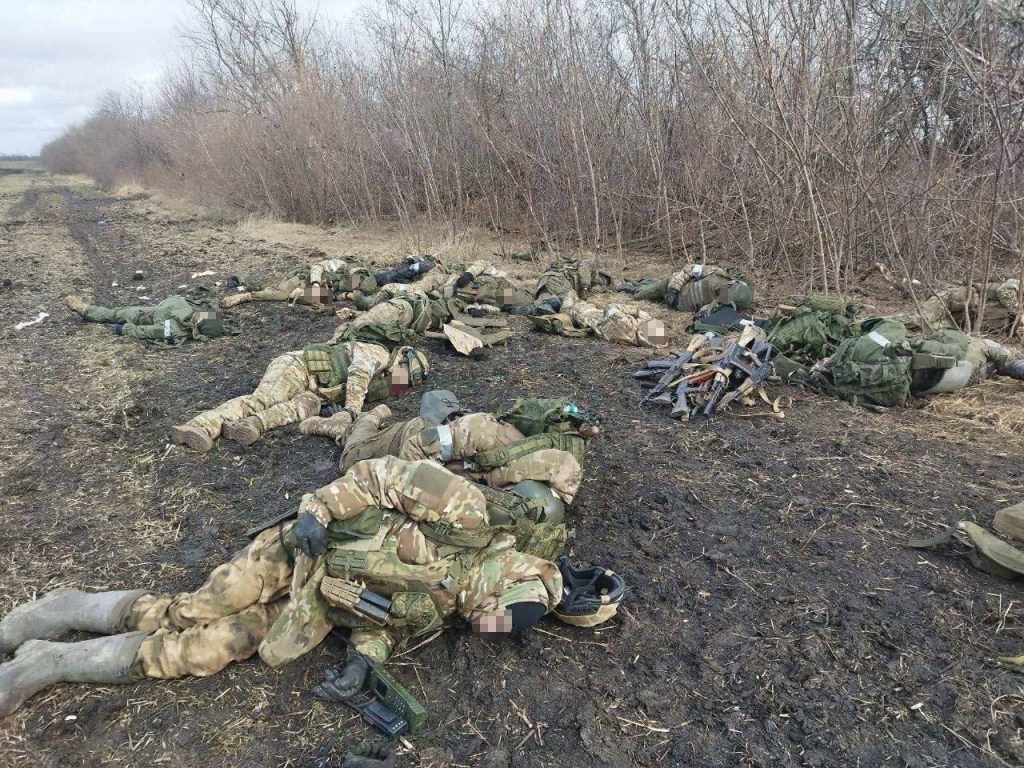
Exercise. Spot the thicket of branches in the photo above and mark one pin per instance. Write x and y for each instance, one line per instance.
(808, 138)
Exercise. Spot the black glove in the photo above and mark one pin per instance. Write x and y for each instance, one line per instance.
(116, 328)
(671, 297)
(476, 312)
(626, 288)
(339, 684)
(367, 755)
(310, 535)
(464, 279)
(588, 416)
(330, 410)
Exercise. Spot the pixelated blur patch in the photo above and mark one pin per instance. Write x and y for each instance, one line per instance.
(498, 622)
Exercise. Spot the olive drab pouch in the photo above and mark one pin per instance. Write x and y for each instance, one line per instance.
(328, 363)
(390, 335)
(544, 540)
(535, 415)
(740, 292)
(366, 525)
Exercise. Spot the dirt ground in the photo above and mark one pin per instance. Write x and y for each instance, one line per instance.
(773, 617)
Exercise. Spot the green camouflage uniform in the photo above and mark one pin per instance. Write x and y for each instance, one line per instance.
(340, 275)
(289, 392)
(457, 443)
(699, 285)
(411, 531)
(399, 320)
(565, 277)
(170, 322)
(946, 309)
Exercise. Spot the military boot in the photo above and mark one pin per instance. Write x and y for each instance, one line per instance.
(75, 304)
(64, 610)
(235, 299)
(335, 427)
(244, 431)
(39, 664)
(196, 438)
(1014, 370)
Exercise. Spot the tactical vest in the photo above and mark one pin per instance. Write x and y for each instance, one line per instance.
(513, 513)
(874, 368)
(570, 442)
(328, 363)
(725, 289)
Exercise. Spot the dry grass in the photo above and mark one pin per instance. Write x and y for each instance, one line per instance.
(996, 404)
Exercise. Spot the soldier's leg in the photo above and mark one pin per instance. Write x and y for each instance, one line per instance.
(286, 377)
(250, 429)
(359, 442)
(585, 315)
(280, 292)
(258, 575)
(206, 649)
(368, 360)
(559, 469)
(134, 315)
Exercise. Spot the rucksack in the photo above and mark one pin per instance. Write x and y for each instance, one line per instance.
(812, 330)
(875, 367)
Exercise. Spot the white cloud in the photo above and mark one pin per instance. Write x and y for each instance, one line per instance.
(57, 57)
(13, 96)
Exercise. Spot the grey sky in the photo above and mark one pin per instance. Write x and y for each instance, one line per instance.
(58, 56)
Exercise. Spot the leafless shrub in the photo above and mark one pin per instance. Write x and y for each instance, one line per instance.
(810, 139)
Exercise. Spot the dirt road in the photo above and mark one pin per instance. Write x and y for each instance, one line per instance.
(773, 617)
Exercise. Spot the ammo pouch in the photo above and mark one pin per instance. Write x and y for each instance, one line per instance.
(505, 509)
(536, 415)
(390, 335)
(328, 363)
(364, 526)
(570, 442)
(544, 540)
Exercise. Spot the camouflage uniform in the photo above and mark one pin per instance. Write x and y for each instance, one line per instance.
(404, 512)
(457, 442)
(572, 276)
(289, 393)
(336, 273)
(619, 323)
(408, 313)
(697, 285)
(946, 309)
(172, 321)
(490, 287)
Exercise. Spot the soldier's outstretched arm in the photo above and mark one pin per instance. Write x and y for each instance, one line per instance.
(151, 332)
(422, 490)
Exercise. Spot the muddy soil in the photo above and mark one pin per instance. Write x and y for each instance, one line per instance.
(773, 617)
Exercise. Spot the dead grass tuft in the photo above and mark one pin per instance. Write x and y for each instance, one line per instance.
(997, 404)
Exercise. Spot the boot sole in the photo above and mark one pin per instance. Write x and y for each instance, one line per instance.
(200, 442)
(240, 435)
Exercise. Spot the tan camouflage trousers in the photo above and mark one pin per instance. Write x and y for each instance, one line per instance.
(285, 395)
(618, 323)
(559, 469)
(283, 291)
(199, 633)
(366, 439)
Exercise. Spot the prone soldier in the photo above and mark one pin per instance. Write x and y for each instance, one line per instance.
(413, 535)
(695, 286)
(296, 384)
(173, 321)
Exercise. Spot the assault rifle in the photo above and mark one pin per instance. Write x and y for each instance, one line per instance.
(673, 371)
(392, 709)
(754, 372)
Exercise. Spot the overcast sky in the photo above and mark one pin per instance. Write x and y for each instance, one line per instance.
(58, 56)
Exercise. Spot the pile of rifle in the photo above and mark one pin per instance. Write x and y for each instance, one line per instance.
(711, 373)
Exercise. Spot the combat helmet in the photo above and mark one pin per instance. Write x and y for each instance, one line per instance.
(549, 508)
(590, 596)
(437, 405)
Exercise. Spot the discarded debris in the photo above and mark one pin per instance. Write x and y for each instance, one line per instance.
(207, 273)
(39, 318)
